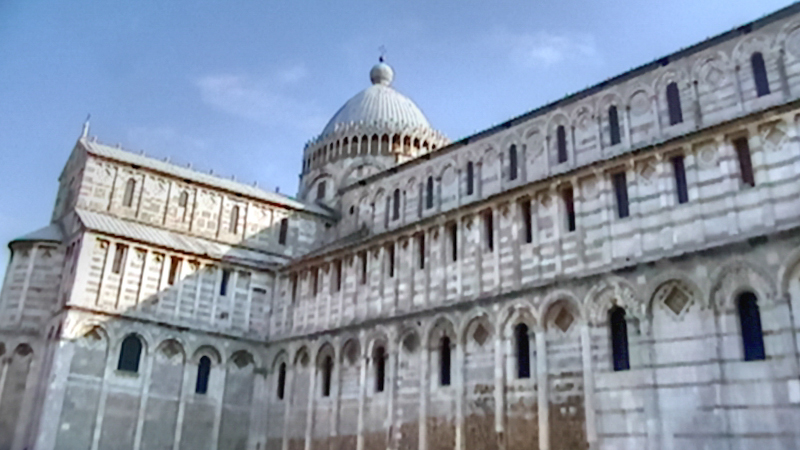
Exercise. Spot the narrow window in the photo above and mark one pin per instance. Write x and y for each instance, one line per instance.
(127, 198)
(444, 361)
(621, 191)
(338, 282)
(523, 351)
(390, 259)
(327, 372)
(750, 321)
(396, 205)
(183, 200)
(281, 380)
(120, 255)
(223, 285)
(321, 190)
(512, 162)
(429, 193)
(386, 211)
(129, 354)
(380, 369)
(203, 372)
(470, 178)
(315, 281)
(283, 231)
(680, 179)
(569, 208)
(674, 104)
(364, 256)
(233, 227)
(561, 143)
(745, 162)
(174, 269)
(527, 220)
(488, 230)
(293, 282)
(613, 125)
(619, 339)
(421, 249)
(759, 74)
(452, 231)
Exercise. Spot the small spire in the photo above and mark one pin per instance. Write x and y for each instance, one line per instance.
(85, 131)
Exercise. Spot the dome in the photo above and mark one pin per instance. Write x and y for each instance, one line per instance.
(378, 104)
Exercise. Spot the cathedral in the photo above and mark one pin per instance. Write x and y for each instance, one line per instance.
(616, 270)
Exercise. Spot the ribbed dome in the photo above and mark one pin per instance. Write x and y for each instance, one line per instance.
(379, 104)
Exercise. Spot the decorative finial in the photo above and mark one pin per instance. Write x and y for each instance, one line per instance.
(382, 49)
(85, 131)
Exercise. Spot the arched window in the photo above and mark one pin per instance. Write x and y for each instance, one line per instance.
(183, 200)
(613, 125)
(203, 372)
(444, 361)
(281, 380)
(396, 205)
(284, 231)
(470, 178)
(750, 321)
(561, 143)
(523, 351)
(380, 369)
(759, 74)
(327, 371)
(674, 104)
(233, 227)
(321, 190)
(130, 188)
(429, 193)
(619, 339)
(512, 162)
(129, 354)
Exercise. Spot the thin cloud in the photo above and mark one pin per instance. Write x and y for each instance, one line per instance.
(546, 49)
(267, 100)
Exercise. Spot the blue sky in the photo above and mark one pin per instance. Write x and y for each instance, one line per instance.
(239, 87)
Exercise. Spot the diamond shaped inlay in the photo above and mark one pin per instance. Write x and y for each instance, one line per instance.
(564, 320)
(480, 335)
(676, 301)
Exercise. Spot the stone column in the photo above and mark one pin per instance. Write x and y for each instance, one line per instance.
(362, 386)
(460, 390)
(312, 395)
(143, 393)
(287, 397)
(499, 382)
(542, 389)
(588, 386)
(424, 386)
(390, 415)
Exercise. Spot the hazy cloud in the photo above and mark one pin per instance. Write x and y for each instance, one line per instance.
(545, 49)
(269, 100)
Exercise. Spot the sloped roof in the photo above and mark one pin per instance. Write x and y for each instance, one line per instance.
(50, 233)
(118, 154)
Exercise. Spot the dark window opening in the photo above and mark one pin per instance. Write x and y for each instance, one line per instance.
(203, 372)
(444, 361)
(569, 208)
(561, 143)
(750, 321)
(429, 193)
(745, 161)
(396, 205)
(680, 179)
(512, 162)
(283, 231)
(527, 220)
(315, 281)
(364, 256)
(130, 188)
(281, 380)
(233, 227)
(321, 190)
(293, 282)
(174, 269)
(452, 231)
(338, 281)
(327, 372)
(488, 230)
(523, 351)
(470, 178)
(380, 369)
(674, 104)
(613, 125)
(390, 259)
(619, 339)
(223, 285)
(621, 191)
(421, 250)
(120, 255)
(759, 74)
(129, 354)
